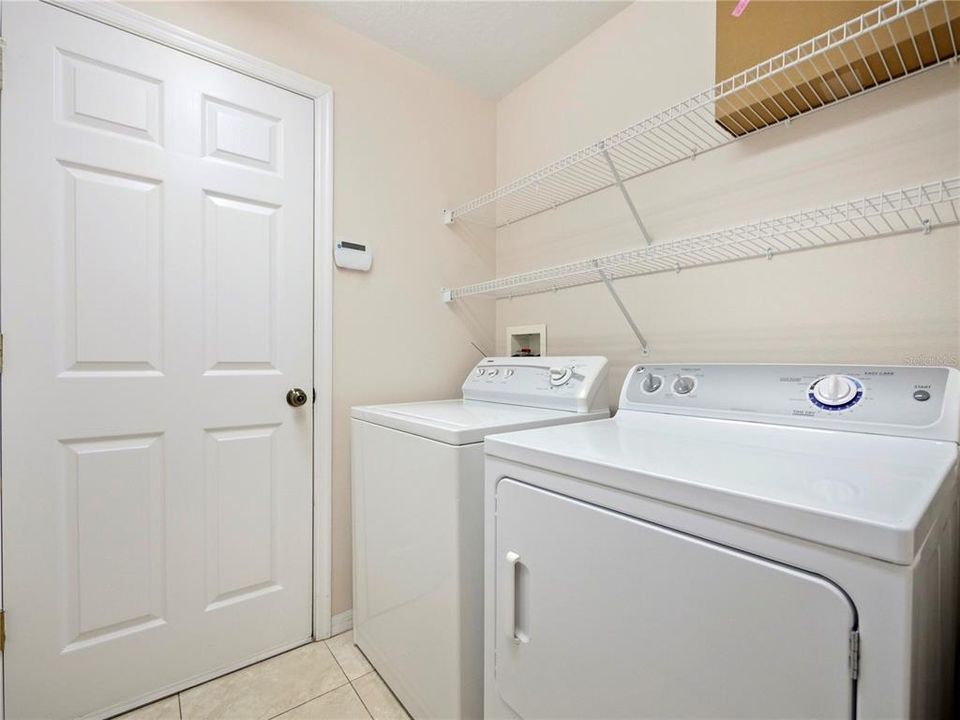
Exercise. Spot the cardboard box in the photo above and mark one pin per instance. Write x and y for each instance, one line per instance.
(769, 27)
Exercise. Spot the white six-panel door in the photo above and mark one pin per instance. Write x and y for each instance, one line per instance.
(156, 305)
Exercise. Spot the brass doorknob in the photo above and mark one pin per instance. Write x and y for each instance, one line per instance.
(296, 397)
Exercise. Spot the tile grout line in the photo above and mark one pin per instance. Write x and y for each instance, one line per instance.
(325, 692)
(222, 676)
(360, 697)
(366, 659)
(402, 706)
(336, 660)
(389, 690)
(372, 671)
(349, 681)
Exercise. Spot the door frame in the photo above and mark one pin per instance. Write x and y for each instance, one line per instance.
(132, 21)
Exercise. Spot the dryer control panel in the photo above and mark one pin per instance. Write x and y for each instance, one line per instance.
(910, 401)
(577, 384)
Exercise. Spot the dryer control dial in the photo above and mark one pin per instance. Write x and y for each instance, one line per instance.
(684, 385)
(835, 392)
(560, 376)
(651, 383)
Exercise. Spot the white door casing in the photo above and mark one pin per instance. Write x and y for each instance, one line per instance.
(158, 233)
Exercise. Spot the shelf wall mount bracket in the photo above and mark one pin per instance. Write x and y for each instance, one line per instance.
(626, 196)
(623, 309)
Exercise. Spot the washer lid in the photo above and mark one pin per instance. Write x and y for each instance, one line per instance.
(461, 422)
(873, 495)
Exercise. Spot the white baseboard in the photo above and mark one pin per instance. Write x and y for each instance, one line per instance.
(341, 622)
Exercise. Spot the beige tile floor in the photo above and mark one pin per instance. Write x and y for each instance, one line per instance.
(329, 680)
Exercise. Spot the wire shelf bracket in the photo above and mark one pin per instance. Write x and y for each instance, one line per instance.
(623, 309)
(896, 40)
(920, 208)
(626, 196)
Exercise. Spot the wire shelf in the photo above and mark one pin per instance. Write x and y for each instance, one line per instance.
(920, 208)
(898, 39)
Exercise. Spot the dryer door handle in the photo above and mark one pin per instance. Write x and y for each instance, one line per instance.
(512, 598)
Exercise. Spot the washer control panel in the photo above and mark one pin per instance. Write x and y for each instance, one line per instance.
(881, 399)
(577, 384)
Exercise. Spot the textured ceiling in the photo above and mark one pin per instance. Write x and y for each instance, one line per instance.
(490, 47)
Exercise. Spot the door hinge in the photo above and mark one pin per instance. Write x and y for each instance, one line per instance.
(3, 630)
(3, 52)
(854, 656)
(1, 352)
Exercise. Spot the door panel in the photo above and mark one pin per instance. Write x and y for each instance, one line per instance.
(241, 284)
(241, 527)
(114, 537)
(602, 615)
(113, 228)
(241, 135)
(156, 295)
(108, 97)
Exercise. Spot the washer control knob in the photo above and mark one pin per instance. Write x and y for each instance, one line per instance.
(508, 372)
(651, 383)
(492, 371)
(683, 385)
(834, 390)
(480, 371)
(560, 376)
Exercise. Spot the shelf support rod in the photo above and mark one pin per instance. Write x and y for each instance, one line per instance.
(623, 308)
(626, 196)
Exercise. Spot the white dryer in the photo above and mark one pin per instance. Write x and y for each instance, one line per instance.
(417, 484)
(740, 541)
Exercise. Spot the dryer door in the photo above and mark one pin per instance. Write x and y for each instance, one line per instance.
(600, 615)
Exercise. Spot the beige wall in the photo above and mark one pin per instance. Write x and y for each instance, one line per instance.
(882, 301)
(407, 143)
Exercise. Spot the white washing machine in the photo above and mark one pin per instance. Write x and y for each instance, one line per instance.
(418, 521)
(740, 541)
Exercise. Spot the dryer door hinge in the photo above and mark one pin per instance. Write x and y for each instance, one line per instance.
(854, 656)
(3, 630)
